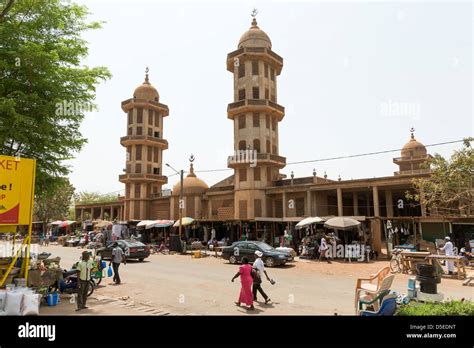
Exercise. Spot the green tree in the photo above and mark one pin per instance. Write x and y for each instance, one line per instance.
(449, 189)
(94, 197)
(45, 91)
(54, 204)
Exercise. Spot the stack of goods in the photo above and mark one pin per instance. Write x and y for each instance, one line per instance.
(19, 301)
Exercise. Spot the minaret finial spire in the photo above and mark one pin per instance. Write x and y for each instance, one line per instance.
(412, 131)
(254, 14)
(146, 74)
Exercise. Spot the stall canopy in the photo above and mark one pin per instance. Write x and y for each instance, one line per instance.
(342, 223)
(185, 221)
(308, 221)
(159, 223)
(143, 223)
(62, 224)
(103, 223)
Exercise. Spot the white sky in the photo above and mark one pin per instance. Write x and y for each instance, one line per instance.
(343, 61)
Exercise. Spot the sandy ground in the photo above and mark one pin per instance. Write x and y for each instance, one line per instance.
(179, 284)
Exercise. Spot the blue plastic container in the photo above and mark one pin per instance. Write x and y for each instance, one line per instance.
(103, 264)
(52, 299)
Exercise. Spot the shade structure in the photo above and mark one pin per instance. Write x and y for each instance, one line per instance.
(62, 224)
(308, 221)
(159, 223)
(143, 223)
(103, 223)
(342, 223)
(185, 221)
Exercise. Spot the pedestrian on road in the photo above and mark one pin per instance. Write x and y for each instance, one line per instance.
(259, 268)
(323, 249)
(245, 274)
(117, 258)
(83, 276)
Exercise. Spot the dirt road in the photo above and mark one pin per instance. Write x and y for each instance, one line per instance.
(178, 284)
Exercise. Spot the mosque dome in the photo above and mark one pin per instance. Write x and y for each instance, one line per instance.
(192, 185)
(146, 91)
(413, 148)
(255, 37)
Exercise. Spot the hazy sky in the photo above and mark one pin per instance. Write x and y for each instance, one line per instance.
(348, 66)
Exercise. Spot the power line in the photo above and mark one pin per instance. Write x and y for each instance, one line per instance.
(340, 157)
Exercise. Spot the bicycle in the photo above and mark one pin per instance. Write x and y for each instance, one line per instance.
(396, 265)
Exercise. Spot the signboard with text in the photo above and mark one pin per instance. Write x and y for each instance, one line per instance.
(17, 180)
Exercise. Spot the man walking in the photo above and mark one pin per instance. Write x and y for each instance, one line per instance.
(323, 249)
(259, 267)
(448, 249)
(117, 258)
(83, 276)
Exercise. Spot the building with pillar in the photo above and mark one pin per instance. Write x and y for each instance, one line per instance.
(257, 199)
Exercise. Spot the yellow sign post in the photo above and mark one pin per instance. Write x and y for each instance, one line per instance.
(17, 187)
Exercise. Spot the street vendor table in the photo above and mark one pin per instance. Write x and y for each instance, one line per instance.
(409, 259)
(458, 261)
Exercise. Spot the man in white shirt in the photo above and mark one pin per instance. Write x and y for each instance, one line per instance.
(259, 267)
(448, 249)
(118, 257)
(323, 248)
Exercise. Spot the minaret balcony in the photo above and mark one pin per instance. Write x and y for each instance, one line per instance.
(412, 159)
(244, 158)
(255, 105)
(144, 140)
(246, 53)
(143, 178)
(146, 104)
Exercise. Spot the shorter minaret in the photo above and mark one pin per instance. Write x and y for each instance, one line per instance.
(413, 155)
(145, 144)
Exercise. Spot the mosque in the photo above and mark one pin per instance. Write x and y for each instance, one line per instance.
(257, 199)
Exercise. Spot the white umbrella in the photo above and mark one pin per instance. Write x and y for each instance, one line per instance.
(308, 221)
(186, 221)
(342, 223)
(159, 223)
(144, 223)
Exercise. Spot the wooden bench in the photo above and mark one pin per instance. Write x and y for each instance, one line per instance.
(458, 262)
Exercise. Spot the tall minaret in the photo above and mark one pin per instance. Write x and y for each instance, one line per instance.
(256, 115)
(145, 144)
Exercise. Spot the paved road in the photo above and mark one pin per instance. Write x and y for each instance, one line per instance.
(179, 284)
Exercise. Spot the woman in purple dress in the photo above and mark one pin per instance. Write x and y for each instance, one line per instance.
(245, 273)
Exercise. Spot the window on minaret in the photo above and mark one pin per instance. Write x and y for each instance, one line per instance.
(139, 115)
(256, 174)
(274, 123)
(242, 145)
(139, 130)
(267, 93)
(157, 134)
(242, 70)
(273, 98)
(242, 94)
(150, 118)
(138, 168)
(156, 171)
(137, 190)
(150, 132)
(155, 155)
(138, 153)
(266, 70)
(269, 174)
(268, 146)
(256, 145)
(255, 93)
(129, 132)
(242, 174)
(258, 207)
(254, 67)
(256, 119)
(157, 119)
(274, 149)
(149, 154)
(148, 168)
(267, 121)
(130, 116)
(272, 74)
(241, 121)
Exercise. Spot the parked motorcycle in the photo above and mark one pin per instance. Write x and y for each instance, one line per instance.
(68, 284)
